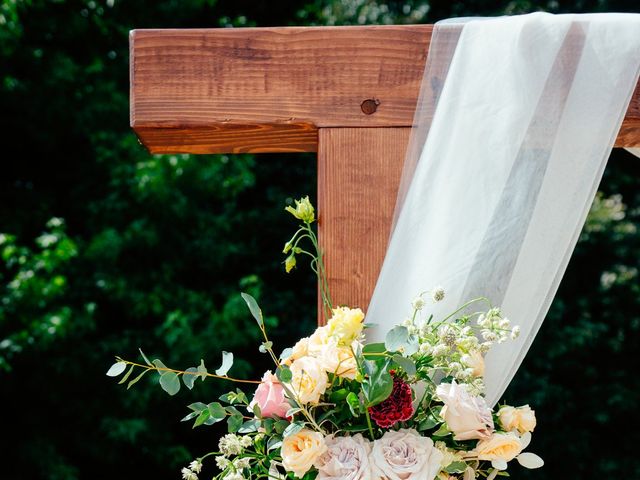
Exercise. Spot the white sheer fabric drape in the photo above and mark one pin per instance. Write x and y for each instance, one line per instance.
(516, 120)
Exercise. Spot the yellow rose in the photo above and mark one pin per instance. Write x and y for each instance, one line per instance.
(346, 324)
(475, 361)
(308, 380)
(522, 419)
(501, 447)
(338, 360)
(300, 450)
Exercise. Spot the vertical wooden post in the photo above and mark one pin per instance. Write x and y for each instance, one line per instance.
(358, 175)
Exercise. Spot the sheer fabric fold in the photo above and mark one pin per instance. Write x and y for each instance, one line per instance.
(515, 122)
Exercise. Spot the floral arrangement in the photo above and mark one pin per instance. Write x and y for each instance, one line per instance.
(338, 408)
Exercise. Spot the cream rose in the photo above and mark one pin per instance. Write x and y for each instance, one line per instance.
(299, 350)
(475, 361)
(522, 419)
(499, 449)
(467, 416)
(300, 450)
(405, 455)
(318, 340)
(308, 380)
(346, 458)
(338, 360)
(346, 324)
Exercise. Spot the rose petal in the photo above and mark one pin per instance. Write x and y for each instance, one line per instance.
(525, 439)
(530, 460)
(499, 464)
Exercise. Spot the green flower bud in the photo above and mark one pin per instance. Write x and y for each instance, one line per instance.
(287, 247)
(304, 210)
(289, 263)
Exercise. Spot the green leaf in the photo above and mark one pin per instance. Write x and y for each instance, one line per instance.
(158, 364)
(273, 443)
(373, 350)
(339, 395)
(253, 308)
(227, 363)
(354, 404)
(202, 370)
(292, 429)
(144, 357)
(135, 380)
(234, 422)
(249, 426)
(405, 363)
(217, 411)
(378, 385)
(443, 431)
(264, 348)
(116, 369)
(412, 345)
(197, 407)
(189, 416)
(396, 338)
(170, 383)
(189, 377)
(203, 417)
(428, 423)
(456, 467)
(280, 426)
(126, 375)
(284, 374)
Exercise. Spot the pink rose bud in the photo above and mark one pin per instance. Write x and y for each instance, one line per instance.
(270, 397)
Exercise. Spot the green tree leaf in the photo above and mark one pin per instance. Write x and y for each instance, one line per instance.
(396, 338)
(227, 363)
(189, 377)
(116, 369)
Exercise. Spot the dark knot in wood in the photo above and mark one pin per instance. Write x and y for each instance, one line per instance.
(369, 106)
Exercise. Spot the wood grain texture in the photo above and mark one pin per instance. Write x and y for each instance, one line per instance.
(278, 82)
(358, 175)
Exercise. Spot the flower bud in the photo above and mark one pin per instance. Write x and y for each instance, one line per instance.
(289, 263)
(304, 210)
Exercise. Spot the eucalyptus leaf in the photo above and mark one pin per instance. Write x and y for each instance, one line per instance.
(379, 384)
(144, 357)
(373, 350)
(126, 375)
(405, 363)
(203, 417)
(116, 369)
(292, 429)
(273, 443)
(234, 422)
(202, 370)
(284, 374)
(189, 377)
(227, 363)
(249, 426)
(170, 383)
(197, 407)
(135, 380)
(253, 308)
(189, 416)
(456, 467)
(217, 411)
(412, 345)
(158, 364)
(396, 338)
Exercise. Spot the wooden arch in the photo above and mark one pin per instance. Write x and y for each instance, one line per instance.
(347, 93)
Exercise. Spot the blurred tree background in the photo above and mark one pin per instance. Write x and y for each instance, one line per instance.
(106, 248)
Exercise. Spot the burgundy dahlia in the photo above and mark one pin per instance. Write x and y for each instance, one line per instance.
(397, 408)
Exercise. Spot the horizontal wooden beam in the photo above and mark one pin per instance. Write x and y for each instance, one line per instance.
(270, 89)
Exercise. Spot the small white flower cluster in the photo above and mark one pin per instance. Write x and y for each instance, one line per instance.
(191, 472)
(495, 329)
(232, 445)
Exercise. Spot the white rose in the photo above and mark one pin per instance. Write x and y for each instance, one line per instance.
(308, 380)
(338, 360)
(405, 455)
(300, 450)
(475, 361)
(346, 458)
(522, 419)
(467, 416)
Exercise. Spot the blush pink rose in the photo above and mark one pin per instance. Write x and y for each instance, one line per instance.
(270, 397)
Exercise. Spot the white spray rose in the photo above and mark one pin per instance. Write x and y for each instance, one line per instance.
(475, 361)
(467, 416)
(405, 455)
(499, 449)
(338, 360)
(522, 419)
(346, 458)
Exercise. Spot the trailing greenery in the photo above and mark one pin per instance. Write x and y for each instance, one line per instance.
(151, 251)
